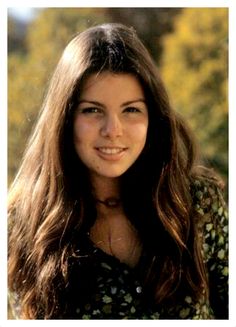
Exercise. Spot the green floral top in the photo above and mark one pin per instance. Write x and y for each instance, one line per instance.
(113, 290)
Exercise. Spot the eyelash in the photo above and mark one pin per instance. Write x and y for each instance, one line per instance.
(91, 110)
(132, 110)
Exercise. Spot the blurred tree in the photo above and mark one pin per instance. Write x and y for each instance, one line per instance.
(194, 67)
(151, 24)
(19, 117)
(16, 35)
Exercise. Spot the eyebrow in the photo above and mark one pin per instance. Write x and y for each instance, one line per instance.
(96, 103)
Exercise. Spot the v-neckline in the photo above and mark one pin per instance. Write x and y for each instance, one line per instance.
(111, 258)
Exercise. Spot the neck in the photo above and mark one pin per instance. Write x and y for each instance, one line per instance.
(106, 192)
(104, 187)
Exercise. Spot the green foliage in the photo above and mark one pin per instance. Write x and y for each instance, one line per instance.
(194, 67)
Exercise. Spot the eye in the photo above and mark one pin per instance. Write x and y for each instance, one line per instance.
(132, 110)
(90, 110)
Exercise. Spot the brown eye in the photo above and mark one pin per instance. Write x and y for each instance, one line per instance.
(90, 110)
(132, 110)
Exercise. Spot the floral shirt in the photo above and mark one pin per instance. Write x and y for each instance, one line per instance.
(113, 290)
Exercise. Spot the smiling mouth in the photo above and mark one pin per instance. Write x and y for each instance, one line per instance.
(111, 151)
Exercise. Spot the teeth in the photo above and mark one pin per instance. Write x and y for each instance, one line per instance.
(110, 150)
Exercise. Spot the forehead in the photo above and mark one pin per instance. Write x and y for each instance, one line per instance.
(111, 84)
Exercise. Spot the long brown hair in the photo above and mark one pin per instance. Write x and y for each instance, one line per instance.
(47, 201)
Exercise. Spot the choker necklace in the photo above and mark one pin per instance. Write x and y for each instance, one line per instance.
(110, 202)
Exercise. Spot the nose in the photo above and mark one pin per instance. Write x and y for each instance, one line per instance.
(112, 127)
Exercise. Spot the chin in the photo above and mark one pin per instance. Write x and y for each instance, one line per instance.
(112, 174)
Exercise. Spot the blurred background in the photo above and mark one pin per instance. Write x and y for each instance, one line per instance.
(189, 45)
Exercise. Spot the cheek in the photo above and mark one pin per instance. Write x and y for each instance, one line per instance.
(80, 137)
(82, 131)
(139, 133)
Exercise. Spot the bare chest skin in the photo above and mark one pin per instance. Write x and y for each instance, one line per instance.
(113, 233)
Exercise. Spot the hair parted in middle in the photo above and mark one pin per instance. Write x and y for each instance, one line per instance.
(155, 191)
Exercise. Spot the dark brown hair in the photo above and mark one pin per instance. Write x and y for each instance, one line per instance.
(47, 201)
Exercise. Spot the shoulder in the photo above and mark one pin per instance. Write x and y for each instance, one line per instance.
(207, 196)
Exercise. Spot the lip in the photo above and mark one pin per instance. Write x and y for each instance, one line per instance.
(109, 153)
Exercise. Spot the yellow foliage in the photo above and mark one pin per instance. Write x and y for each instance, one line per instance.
(194, 67)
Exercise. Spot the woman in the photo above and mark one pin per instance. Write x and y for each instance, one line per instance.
(110, 217)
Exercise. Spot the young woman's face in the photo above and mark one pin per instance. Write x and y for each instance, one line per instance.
(110, 124)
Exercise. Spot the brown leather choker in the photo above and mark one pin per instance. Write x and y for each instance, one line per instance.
(110, 202)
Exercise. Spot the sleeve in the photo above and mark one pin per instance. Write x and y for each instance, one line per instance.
(213, 210)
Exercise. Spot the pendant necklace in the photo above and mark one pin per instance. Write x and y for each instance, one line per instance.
(110, 202)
